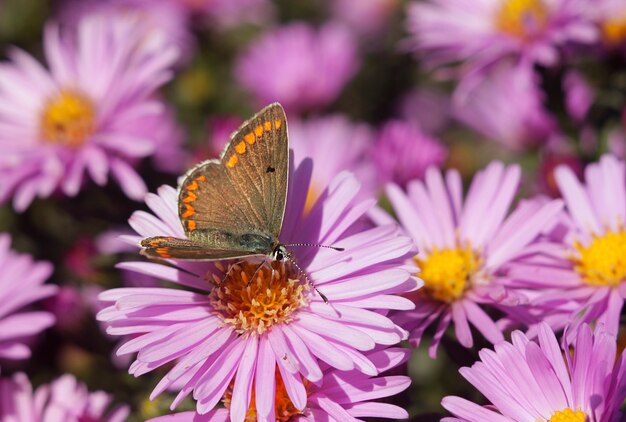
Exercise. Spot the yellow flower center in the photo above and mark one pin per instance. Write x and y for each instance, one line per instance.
(447, 273)
(521, 18)
(568, 415)
(614, 30)
(254, 306)
(68, 119)
(603, 261)
(283, 406)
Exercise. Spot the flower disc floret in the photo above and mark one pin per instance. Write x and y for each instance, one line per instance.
(603, 261)
(522, 18)
(569, 415)
(68, 119)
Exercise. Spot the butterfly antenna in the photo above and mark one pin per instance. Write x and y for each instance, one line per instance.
(335, 248)
(306, 276)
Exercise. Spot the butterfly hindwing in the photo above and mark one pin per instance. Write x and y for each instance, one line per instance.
(239, 202)
(175, 248)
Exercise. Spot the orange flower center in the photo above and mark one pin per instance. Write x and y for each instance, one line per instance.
(255, 305)
(67, 119)
(521, 18)
(614, 29)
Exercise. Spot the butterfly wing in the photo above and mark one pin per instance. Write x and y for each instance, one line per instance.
(238, 202)
(175, 248)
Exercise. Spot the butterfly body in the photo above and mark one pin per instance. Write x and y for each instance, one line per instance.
(234, 207)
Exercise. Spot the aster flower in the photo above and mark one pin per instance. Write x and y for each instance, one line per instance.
(339, 395)
(429, 108)
(79, 116)
(227, 328)
(298, 65)
(538, 381)
(63, 400)
(462, 246)
(483, 32)
(583, 269)
(21, 283)
(366, 17)
(489, 110)
(610, 16)
(350, 143)
(403, 151)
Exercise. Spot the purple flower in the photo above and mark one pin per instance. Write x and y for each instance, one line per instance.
(402, 152)
(227, 328)
(462, 245)
(581, 274)
(298, 65)
(367, 18)
(483, 32)
(63, 400)
(488, 108)
(81, 115)
(338, 395)
(610, 16)
(429, 108)
(579, 95)
(21, 283)
(539, 381)
(335, 144)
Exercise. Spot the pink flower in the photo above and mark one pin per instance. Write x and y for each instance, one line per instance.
(338, 395)
(367, 18)
(538, 381)
(403, 151)
(484, 32)
(21, 283)
(80, 115)
(218, 327)
(63, 400)
(298, 66)
(580, 274)
(462, 246)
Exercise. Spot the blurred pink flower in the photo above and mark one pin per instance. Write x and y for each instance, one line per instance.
(63, 400)
(507, 107)
(610, 16)
(298, 65)
(579, 95)
(539, 381)
(582, 273)
(81, 114)
(366, 18)
(482, 32)
(338, 395)
(403, 152)
(430, 109)
(21, 283)
(335, 144)
(462, 245)
(225, 328)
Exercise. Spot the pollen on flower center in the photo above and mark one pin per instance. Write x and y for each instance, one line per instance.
(67, 119)
(271, 298)
(568, 415)
(603, 261)
(447, 272)
(283, 407)
(521, 18)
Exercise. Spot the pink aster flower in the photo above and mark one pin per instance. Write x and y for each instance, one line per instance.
(462, 245)
(21, 283)
(610, 16)
(539, 381)
(367, 18)
(80, 115)
(338, 395)
(583, 272)
(488, 108)
(221, 332)
(335, 144)
(403, 151)
(298, 65)
(483, 32)
(63, 400)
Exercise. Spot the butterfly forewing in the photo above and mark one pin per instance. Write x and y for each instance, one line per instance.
(238, 203)
(171, 247)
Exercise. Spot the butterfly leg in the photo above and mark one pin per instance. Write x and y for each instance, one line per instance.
(257, 270)
(230, 267)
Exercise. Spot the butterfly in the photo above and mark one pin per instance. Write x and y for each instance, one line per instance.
(234, 207)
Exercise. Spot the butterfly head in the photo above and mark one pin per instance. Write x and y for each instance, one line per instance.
(280, 252)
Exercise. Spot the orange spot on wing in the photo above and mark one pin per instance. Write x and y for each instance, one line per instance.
(250, 138)
(191, 225)
(232, 161)
(192, 186)
(189, 211)
(240, 147)
(258, 131)
(163, 252)
(267, 126)
(201, 178)
(277, 123)
(190, 197)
